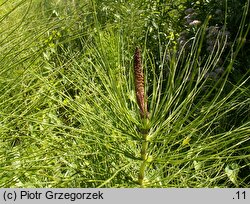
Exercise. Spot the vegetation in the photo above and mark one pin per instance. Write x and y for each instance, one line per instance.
(102, 93)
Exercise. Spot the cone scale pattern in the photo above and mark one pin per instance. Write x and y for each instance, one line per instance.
(139, 84)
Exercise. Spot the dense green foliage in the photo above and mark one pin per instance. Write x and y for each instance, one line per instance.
(68, 110)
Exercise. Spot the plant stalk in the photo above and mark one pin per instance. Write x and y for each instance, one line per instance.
(142, 103)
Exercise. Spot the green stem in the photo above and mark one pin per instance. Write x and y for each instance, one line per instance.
(144, 150)
(144, 154)
(142, 172)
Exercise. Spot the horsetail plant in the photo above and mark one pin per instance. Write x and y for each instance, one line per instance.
(88, 129)
(142, 103)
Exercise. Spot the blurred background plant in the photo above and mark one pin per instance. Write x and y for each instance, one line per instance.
(68, 110)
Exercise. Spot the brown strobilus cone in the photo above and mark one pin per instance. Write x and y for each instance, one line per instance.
(139, 84)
